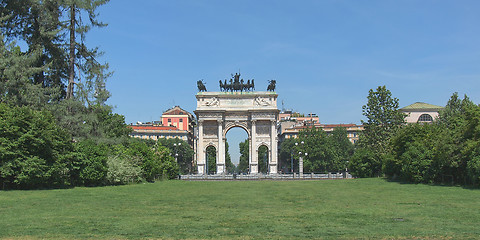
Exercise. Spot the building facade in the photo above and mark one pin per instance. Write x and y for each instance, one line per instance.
(353, 130)
(154, 132)
(174, 123)
(420, 112)
(290, 124)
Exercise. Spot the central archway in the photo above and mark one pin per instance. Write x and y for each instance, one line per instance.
(238, 150)
(218, 112)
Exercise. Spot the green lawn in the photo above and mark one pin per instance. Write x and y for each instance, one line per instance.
(330, 209)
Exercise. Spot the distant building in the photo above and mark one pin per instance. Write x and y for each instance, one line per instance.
(353, 130)
(421, 112)
(150, 131)
(178, 118)
(290, 124)
(289, 116)
(175, 123)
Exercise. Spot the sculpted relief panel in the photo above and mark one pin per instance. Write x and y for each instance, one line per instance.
(260, 101)
(263, 128)
(210, 128)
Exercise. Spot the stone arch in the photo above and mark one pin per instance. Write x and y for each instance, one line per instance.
(210, 144)
(230, 125)
(207, 163)
(255, 112)
(269, 155)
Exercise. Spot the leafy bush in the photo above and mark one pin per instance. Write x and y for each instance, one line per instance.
(34, 151)
(122, 170)
(445, 151)
(364, 163)
(91, 163)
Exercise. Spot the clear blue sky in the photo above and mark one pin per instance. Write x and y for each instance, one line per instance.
(324, 54)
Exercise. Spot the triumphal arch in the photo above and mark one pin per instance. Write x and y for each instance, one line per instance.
(235, 106)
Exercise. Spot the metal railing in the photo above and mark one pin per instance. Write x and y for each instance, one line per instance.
(260, 176)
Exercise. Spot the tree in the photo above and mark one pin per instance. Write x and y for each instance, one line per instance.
(383, 120)
(446, 151)
(243, 165)
(262, 159)
(461, 118)
(316, 143)
(364, 163)
(16, 69)
(211, 160)
(91, 164)
(34, 151)
(286, 155)
(344, 149)
(184, 151)
(416, 154)
(38, 23)
(80, 55)
(229, 167)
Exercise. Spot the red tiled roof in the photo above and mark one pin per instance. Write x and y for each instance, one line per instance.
(175, 112)
(154, 128)
(339, 125)
(326, 126)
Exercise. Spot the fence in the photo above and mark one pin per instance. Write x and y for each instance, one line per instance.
(294, 176)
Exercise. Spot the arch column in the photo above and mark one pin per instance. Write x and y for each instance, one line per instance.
(273, 152)
(221, 149)
(253, 164)
(201, 166)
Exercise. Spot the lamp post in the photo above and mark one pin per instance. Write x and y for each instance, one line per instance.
(175, 145)
(300, 159)
(291, 160)
(300, 163)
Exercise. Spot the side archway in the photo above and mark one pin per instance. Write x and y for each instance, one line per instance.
(263, 156)
(211, 159)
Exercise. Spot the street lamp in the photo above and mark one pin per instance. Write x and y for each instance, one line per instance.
(300, 159)
(176, 153)
(300, 163)
(291, 157)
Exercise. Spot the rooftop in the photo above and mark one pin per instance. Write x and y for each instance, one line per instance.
(176, 111)
(164, 128)
(421, 106)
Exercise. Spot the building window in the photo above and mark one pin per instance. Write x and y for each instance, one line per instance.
(181, 119)
(425, 118)
(169, 120)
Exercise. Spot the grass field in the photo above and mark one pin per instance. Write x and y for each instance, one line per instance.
(327, 209)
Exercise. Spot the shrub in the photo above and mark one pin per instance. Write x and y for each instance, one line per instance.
(91, 163)
(121, 170)
(34, 151)
(364, 163)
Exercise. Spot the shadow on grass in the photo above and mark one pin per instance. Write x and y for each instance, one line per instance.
(443, 184)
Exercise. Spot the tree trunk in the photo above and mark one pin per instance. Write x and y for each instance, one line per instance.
(71, 71)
